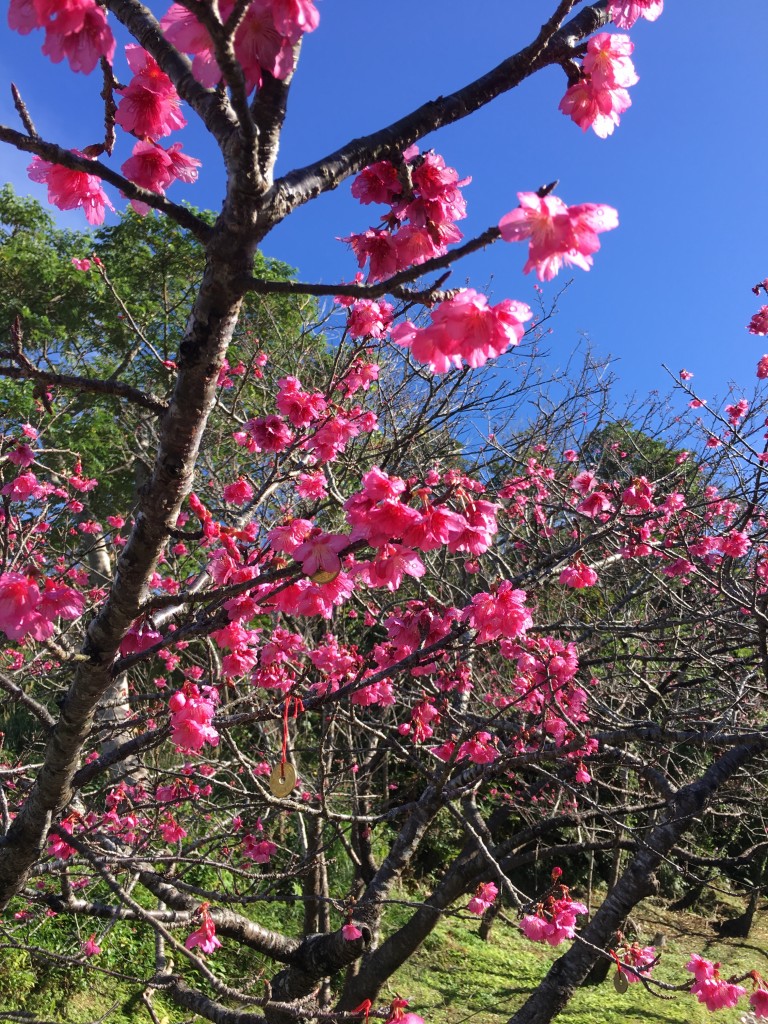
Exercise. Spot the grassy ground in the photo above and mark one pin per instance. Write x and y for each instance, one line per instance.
(455, 977)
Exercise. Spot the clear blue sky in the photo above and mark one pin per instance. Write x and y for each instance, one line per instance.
(685, 169)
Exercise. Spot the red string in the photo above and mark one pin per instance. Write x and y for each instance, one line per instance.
(297, 707)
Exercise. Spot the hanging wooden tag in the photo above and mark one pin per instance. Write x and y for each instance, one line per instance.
(325, 575)
(283, 779)
(620, 982)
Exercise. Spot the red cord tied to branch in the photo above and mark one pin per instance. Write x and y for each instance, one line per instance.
(283, 777)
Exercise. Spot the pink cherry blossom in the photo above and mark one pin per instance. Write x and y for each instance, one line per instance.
(187, 34)
(759, 1002)
(465, 328)
(350, 932)
(170, 829)
(600, 97)
(299, 406)
(759, 322)
(260, 851)
(70, 190)
(25, 610)
(581, 775)
(269, 433)
(23, 17)
(259, 46)
(154, 168)
(23, 488)
(320, 552)
(578, 575)
(392, 563)
(735, 544)
(598, 109)
(640, 958)
(312, 486)
(485, 894)
(559, 235)
(90, 946)
(379, 249)
(625, 13)
(292, 18)
(499, 614)
(289, 536)
(205, 936)
(149, 105)
(77, 30)
(239, 492)
(377, 183)
(762, 367)
(369, 318)
(481, 749)
(700, 968)
(191, 716)
(716, 993)
(607, 61)
(554, 922)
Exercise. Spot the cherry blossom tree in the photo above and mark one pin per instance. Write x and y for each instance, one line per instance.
(333, 620)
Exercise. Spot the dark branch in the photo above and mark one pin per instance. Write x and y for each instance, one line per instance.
(552, 45)
(67, 158)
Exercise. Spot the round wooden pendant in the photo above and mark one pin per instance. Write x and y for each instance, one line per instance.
(324, 576)
(620, 982)
(283, 779)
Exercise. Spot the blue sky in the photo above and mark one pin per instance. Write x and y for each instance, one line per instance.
(685, 169)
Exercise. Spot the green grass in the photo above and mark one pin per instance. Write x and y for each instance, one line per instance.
(455, 976)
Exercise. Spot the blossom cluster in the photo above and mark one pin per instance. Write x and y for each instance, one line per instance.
(600, 96)
(264, 40)
(554, 920)
(559, 235)
(29, 606)
(464, 329)
(425, 201)
(77, 30)
(709, 988)
(625, 13)
(192, 712)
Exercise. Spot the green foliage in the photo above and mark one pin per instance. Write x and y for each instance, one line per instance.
(619, 451)
(125, 327)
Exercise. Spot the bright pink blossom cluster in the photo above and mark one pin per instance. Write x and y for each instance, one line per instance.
(27, 609)
(264, 41)
(484, 897)
(554, 920)
(709, 988)
(559, 235)
(625, 13)
(76, 29)
(425, 201)
(149, 106)
(640, 958)
(759, 322)
(466, 329)
(600, 97)
(500, 613)
(154, 167)
(192, 712)
(205, 936)
(71, 189)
